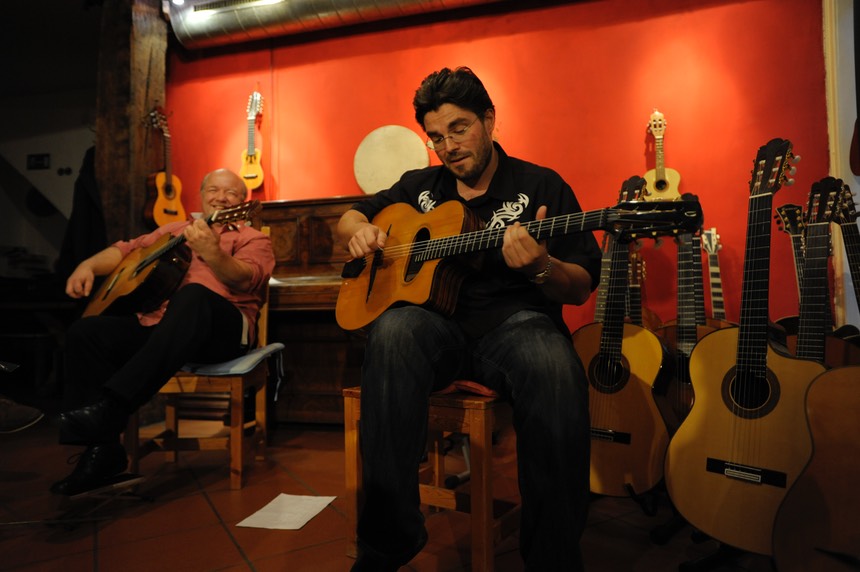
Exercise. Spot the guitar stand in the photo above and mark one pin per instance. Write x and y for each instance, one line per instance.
(120, 487)
(722, 555)
(647, 501)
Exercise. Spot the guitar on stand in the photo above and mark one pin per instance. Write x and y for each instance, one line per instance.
(624, 366)
(662, 182)
(164, 204)
(251, 170)
(149, 275)
(744, 443)
(847, 218)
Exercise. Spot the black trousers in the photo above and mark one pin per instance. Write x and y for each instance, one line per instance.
(116, 355)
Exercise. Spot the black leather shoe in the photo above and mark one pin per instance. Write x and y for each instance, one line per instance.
(96, 468)
(370, 560)
(100, 422)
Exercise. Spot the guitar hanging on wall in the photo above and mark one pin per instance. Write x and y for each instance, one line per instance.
(662, 182)
(251, 171)
(164, 204)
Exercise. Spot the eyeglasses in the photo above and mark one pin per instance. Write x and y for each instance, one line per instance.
(438, 142)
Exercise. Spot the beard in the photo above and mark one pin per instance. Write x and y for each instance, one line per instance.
(470, 171)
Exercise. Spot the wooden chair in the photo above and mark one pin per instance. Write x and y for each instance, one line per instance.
(473, 416)
(192, 390)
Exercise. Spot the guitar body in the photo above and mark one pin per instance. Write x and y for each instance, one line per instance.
(251, 170)
(137, 286)
(817, 526)
(364, 297)
(719, 436)
(663, 188)
(165, 204)
(628, 434)
(678, 398)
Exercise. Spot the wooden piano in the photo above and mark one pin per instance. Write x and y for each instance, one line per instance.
(320, 358)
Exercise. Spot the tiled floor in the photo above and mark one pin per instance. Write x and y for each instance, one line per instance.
(190, 522)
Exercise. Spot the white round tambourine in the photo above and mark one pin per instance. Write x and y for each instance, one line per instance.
(385, 154)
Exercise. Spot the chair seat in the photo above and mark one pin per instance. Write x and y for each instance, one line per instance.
(240, 365)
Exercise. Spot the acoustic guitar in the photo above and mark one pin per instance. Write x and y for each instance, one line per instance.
(424, 259)
(816, 527)
(847, 219)
(164, 204)
(251, 170)
(148, 276)
(815, 338)
(744, 442)
(662, 182)
(624, 366)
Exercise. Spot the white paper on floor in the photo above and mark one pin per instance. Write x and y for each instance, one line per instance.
(287, 512)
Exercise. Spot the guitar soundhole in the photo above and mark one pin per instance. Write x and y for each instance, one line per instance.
(750, 395)
(413, 266)
(608, 374)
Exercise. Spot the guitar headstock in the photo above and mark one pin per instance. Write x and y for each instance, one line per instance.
(773, 167)
(255, 105)
(711, 241)
(847, 212)
(789, 219)
(636, 270)
(632, 189)
(241, 212)
(158, 119)
(824, 199)
(651, 219)
(657, 124)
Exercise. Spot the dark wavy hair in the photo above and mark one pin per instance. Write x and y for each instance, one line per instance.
(460, 87)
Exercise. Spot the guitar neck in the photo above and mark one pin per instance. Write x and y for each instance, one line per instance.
(815, 294)
(687, 308)
(168, 168)
(797, 255)
(752, 335)
(659, 164)
(718, 307)
(252, 120)
(612, 333)
(851, 240)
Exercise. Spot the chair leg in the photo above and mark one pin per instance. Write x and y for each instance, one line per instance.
(171, 426)
(352, 471)
(237, 436)
(131, 442)
(261, 430)
(480, 436)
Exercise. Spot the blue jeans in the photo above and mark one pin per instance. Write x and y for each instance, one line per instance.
(410, 353)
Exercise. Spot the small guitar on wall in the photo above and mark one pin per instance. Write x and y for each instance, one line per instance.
(164, 204)
(662, 182)
(251, 171)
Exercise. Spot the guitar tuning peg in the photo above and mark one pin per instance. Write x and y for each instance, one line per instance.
(789, 182)
(795, 159)
(792, 171)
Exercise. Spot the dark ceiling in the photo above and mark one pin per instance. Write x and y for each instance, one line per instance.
(49, 46)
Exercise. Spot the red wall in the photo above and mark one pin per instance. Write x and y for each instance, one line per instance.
(574, 86)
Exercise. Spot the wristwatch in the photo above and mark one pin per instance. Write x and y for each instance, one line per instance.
(543, 275)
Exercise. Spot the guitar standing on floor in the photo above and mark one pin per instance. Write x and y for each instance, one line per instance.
(662, 181)
(624, 366)
(164, 204)
(744, 442)
(251, 170)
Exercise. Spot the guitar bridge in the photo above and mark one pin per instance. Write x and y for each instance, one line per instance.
(750, 474)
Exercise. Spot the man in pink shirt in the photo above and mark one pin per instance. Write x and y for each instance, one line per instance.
(116, 363)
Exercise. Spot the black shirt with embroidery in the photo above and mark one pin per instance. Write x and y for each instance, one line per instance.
(491, 294)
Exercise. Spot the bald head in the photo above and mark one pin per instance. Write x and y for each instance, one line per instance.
(220, 189)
